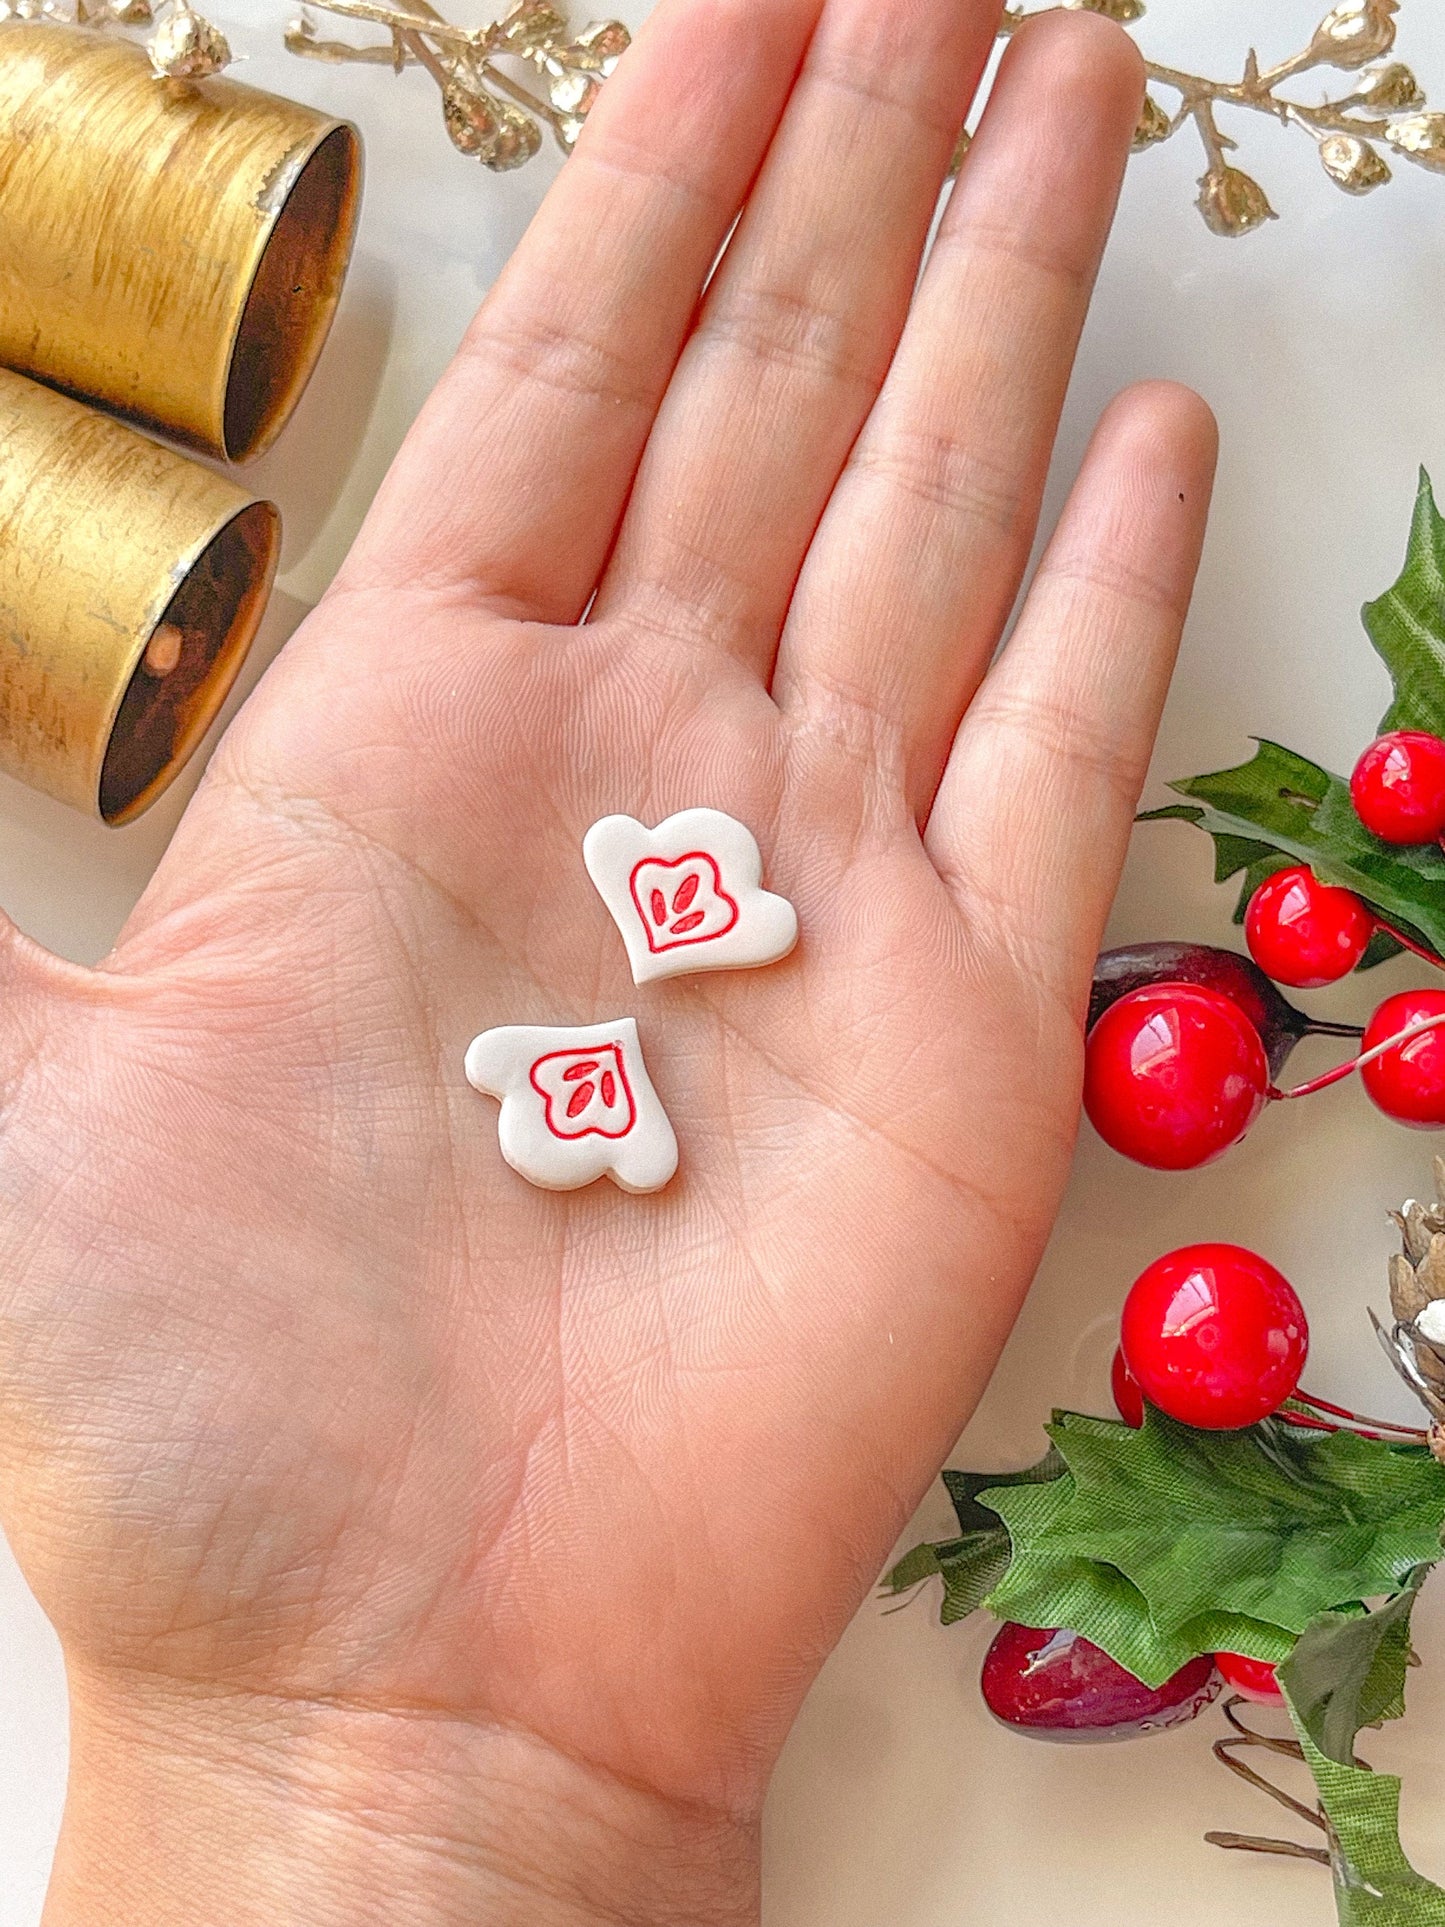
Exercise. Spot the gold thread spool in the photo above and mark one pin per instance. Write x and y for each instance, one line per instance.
(172, 249)
(132, 582)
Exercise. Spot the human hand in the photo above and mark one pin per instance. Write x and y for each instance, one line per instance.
(426, 1547)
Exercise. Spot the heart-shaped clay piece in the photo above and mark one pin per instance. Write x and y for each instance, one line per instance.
(577, 1105)
(688, 895)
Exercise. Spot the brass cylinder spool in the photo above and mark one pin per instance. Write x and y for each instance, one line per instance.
(174, 250)
(132, 582)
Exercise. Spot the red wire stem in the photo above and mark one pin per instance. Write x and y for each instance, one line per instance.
(1355, 1418)
(1409, 943)
(1342, 1071)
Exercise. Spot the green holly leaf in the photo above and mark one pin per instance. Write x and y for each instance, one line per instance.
(1407, 624)
(1167, 1542)
(1272, 1523)
(970, 1567)
(971, 1574)
(972, 1564)
(1282, 806)
(964, 1488)
(1047, 1586)
(1347, 1672)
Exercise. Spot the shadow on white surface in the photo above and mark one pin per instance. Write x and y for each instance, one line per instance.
(308, 470)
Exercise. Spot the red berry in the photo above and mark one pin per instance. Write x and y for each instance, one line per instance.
(1306, 933)
(1398, 787)
(1408, 1083)
(1141, 965)
(1128, 1399)
(1174, 1075)
(1056, 1685)
(1215, 1336)
(1252, 1679)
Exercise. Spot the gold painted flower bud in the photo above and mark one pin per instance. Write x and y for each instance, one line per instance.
(574, 93)
(1393, 89)
(533, 27)
(1352, 163)
(492, 131)
(1233, 202)
(1353, 36)
(1420, 137)
(1154, 125)
(601, 45)
(186, 47)
(1126, 12)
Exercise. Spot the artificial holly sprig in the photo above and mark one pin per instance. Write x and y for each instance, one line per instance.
(1280, 809)
(1229, 1525)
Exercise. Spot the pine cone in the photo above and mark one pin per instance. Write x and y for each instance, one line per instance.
(1417, 1282)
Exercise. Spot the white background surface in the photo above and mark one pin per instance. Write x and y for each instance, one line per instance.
(1321, 344)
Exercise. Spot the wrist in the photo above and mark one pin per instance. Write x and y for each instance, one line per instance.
(192, 1808)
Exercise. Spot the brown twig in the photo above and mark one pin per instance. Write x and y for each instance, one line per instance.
(1247, 1739)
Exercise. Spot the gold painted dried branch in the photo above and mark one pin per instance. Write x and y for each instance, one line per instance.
(489, 113)
(1384, 107)
(502, 83)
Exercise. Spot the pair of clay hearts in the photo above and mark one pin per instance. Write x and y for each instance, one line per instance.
(577, 1103)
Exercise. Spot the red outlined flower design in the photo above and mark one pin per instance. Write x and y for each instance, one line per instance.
(682, 902)
(585, 1092)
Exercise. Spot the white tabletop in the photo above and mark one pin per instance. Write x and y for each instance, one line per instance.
(1321, 344)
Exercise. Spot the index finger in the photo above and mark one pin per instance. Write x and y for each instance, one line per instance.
(513, 479)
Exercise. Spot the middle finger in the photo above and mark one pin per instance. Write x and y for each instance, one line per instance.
(919, 557)
(799, 325)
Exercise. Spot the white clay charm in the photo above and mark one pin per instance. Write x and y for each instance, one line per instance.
(688, 895)
(577, 1105)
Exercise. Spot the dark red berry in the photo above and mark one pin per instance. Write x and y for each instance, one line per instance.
(1128, 1399)
(1215, 1336)
(1398, 787)
(1173, 1076)
(1408, 1083)
(1136, 966)
(1252, 1679)
(1056, 1685)
(1306, 933)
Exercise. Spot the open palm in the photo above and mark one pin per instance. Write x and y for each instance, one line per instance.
(307, 1400)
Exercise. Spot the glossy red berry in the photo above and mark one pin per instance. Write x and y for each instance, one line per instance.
(1252, 1679)
(1174, 1075)
(1128, 1399)
(1408, 1083)
(1398, 787)
(1306, 933)
(1056, 1685)
(1214, 1335)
